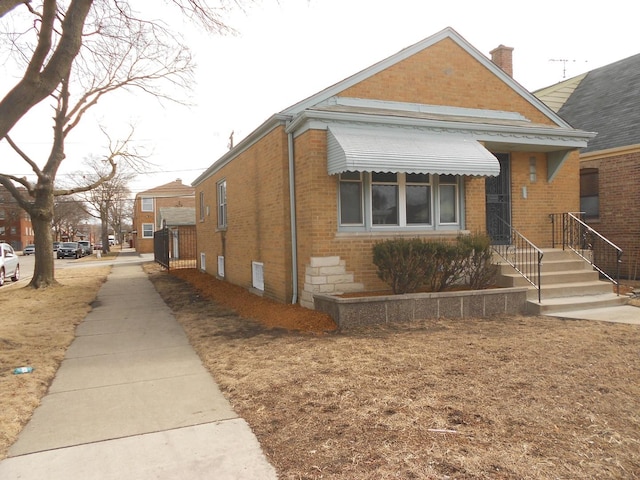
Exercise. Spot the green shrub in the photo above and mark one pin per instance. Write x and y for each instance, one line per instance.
(480, 270)
(401, 264)
(406, 265)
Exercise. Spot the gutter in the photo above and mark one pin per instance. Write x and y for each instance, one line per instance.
(294, 234)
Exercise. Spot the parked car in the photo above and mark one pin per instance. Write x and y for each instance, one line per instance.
(86, 247)
(56, 245)
(69, 250)
(29, 249)
(97, 246)
(9, 264)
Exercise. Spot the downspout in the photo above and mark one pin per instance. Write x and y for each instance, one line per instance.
(294, 235)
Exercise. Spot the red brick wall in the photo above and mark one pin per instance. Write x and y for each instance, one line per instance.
(619, 195)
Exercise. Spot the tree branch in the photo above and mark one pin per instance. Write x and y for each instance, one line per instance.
(6, 181)
(39, 82)
(7, 5)
(24, 156)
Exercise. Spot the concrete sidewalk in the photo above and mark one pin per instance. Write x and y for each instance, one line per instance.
(132, 400)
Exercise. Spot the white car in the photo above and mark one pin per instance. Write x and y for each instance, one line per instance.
(9, 265)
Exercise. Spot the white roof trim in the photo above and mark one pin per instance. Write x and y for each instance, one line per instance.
(529, 137)
(375, 149)
(424, 108)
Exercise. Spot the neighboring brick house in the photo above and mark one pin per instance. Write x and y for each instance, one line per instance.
(15, 224)
(434, 141)
(147, 207)
(606, 100)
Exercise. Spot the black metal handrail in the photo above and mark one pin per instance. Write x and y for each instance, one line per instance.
(524, 257)
(602, 254)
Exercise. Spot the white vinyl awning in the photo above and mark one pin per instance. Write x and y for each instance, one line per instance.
(398, 150)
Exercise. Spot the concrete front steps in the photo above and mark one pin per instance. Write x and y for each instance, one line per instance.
(568, 283)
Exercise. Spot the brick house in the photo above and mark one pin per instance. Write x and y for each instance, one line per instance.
(605, 100)
(148, 206)
(15, 224)
(434, 141)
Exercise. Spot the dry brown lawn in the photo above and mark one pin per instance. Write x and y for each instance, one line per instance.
(36, 328)
(507, 398)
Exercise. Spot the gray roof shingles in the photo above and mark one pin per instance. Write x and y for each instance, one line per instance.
(607, 101)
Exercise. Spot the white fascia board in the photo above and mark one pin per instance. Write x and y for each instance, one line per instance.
(424, 108)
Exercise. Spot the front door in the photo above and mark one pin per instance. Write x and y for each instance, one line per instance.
(498, 201)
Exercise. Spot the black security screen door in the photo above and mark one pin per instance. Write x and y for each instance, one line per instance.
(498, 195)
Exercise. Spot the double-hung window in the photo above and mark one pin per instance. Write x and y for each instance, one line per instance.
(147, 204)
(413, 201)
(147, 230)
(222, 204)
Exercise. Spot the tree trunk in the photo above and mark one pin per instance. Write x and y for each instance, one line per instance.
(41, 216)
(106, 248)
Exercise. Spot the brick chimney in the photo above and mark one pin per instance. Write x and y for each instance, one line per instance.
(503, 57)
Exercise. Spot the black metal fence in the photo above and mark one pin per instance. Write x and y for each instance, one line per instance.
(175, 247)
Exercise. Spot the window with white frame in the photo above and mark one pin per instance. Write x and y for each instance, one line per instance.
(383, 200)
(147, 230)
(147, 204)
(222, 204)
(257, 275)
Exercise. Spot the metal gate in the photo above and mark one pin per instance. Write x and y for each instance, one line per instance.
(175, 247)
(498, 203)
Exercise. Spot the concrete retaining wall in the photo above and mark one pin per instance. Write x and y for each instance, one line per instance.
(368, 310)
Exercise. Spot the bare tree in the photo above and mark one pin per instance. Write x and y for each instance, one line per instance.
(69, 213)
(122, 214)
(107, 201)
(75, 53)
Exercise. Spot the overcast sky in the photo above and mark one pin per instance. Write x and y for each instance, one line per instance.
(287, 50)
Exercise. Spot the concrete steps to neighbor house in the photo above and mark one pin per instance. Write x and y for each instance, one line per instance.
(568, 283)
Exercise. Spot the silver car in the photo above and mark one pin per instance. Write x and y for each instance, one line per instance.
(9, 264)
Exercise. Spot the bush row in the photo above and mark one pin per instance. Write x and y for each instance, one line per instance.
(409, 264)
